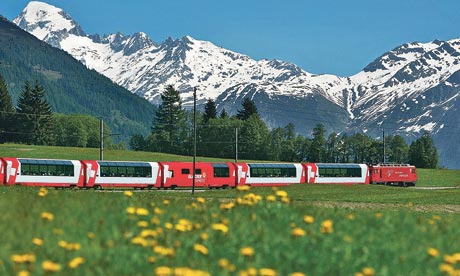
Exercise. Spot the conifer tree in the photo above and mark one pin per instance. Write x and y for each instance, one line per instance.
(223, 114)
(210, 111)
(423, 153)
(249, 109)
(25, 115)
(6, 112)
(169, 131)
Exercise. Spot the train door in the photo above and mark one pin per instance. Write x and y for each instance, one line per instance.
(11, 171)
(89, 169)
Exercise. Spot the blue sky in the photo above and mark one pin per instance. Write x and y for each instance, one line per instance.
(328, 36)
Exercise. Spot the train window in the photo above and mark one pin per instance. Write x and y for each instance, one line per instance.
(185, 171)
(272, 170)
(46, 167)
(339, 172)
(412, 170)
(197, 171)
(221, 172)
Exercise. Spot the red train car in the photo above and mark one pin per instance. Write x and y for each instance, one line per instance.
(42, 172)
(210, 175)
(393, 174)
(120, 174)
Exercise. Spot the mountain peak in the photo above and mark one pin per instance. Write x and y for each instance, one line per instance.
(47, 22)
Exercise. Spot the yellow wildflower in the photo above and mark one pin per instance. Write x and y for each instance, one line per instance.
(243, 188)
(43, 192)
(201, 200)
(446, 268)
(204, 236)
(223, 263)
(140, 241)
(378, 215)
(143, 223)
(432, 252)
(271, 198)
(449, 259)
(23, 273)
(297, 274)
(26, 258)
(298, 232)
(368, 271)
(220, 227)
(128, 193)
(351, 216)
(146, 233)
(267, 272)
(163, 271)
(37, 241)
(201, 248)
(91, 235)
(47, 216)
(76, 262)
(166, 202)
(131, 210)
(327, 227)
(155, 221)
(281, 193)
(247, 251)
(227, 206)
(142, 212)
(308, 219)
(152, 259)
(50, 266)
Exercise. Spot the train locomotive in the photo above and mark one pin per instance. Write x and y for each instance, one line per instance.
(171, 175)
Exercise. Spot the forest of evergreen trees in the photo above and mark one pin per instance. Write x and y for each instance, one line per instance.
(33, 122)
(217, 134)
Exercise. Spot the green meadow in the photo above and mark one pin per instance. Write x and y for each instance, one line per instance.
(295, 230)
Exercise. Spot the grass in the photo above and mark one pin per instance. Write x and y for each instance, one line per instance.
(139, 234)
(310, 229)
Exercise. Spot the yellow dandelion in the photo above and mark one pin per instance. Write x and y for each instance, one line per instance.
(327, 227)
(152, 259)
(37, 241)
(351, 216)
(201, 200)
(201, 248)
(204, 236)
(227, 206)
(285, 199)
(50, 266)
(155, 221)
(142, 212)
(23, 273)
(149, 233)
(43, 192)
(252, 271)
(449, 259)
(308, 219)
(128, 193)
(378, 215)
(166, 202)
(76, 262)
(243, 188)
(267, 272)
(432, 252)
(157, 211)
(223, 263)
(47, 216)
(220, 227)
(281, 193)
(25, 258)
(368, 271)
(131, 210)
(298, 232)
(140, 241)
(169, 225)
(271, 198)
(446, 269)
(247, 251)
(298, 274)
(91, 235)
(143, 224)
(163, 271)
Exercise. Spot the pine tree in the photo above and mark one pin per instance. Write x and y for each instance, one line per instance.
(249, 109)
(210, 111)
(318, 144)
(6, 113)
(35, 118)
(223, 114)
(169, 131)
(423, 153)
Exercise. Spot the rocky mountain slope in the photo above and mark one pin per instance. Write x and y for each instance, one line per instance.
(408, 90)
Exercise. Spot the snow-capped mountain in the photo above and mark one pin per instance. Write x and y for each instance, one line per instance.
(408, 90)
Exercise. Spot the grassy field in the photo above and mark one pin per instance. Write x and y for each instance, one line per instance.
(295, 230)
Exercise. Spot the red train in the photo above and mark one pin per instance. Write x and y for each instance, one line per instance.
(129, 174)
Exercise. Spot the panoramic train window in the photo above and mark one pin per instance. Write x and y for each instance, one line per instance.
(339, 170)
(221, 170)
(272, 170)
(46, 167)
(125, 169)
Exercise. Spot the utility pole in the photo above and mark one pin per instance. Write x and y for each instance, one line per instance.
(236, 145)
(101, 145)
(194, 139)
(383, 131)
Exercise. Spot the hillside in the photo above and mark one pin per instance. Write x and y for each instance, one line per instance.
(70, 86)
